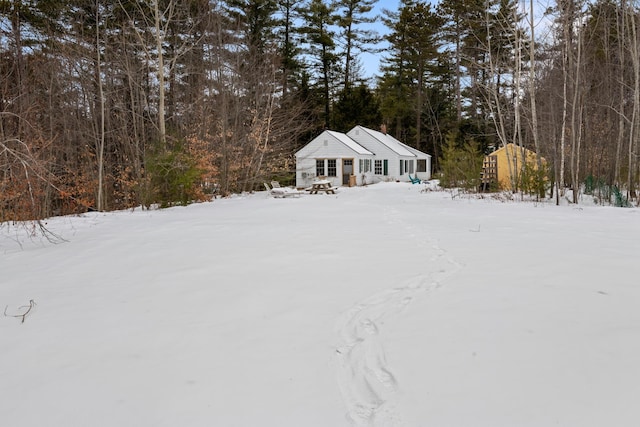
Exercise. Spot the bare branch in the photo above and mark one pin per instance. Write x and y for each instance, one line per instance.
(28, 308)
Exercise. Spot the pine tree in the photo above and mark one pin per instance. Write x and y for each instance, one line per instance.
(319, 18)
(289, 40)
(461, 165)
(355, 36)
(356, 106)
(412, 71)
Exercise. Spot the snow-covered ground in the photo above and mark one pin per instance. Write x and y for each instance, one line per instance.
(378, 306)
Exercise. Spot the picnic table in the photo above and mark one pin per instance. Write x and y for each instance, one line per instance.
(322, 185)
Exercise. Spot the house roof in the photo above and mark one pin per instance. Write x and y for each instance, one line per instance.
(349, 142)
(352, 143)
(389, 141)
(511, 147)
(418, 153)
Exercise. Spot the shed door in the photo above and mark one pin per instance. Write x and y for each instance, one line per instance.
(347, 170)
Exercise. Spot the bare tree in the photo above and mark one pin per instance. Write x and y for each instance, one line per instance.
(576, 117)
(621, 29)
(158, 19)
(634, 133)
(101, 113)
(532, 82)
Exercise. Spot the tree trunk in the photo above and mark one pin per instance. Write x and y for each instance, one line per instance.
(576, 121)
(101, 112)
(621, 27)
(419, 106)
(567, 67)
(532, 90)
(517, 131)
(458, 75)
(634, 134)
(161, 78)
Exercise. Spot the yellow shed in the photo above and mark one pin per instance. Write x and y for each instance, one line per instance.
(496, 169)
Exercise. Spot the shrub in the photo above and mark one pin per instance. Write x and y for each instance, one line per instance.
(461, 166)
(533, 179)
(172, 178)
(620, 200)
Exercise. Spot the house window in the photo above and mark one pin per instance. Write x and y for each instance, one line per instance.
(377, 165)
(410, 166)
(422, 165)
(332, 170)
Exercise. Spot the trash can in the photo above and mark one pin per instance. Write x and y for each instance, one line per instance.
(352, 180)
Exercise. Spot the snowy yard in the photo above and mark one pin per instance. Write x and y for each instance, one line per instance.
(378, 306)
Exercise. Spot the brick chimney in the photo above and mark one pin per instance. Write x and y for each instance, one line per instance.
(383, 128)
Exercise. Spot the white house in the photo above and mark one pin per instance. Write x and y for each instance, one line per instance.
(332, 155)
(362, 156)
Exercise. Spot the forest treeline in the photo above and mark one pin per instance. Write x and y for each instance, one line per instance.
(110, 104)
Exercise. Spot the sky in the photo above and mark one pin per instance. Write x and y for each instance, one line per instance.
(385, 305)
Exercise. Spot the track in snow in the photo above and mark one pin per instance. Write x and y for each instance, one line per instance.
(366, 382)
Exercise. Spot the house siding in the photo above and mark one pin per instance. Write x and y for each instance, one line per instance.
(326, 146)
(426, 174)
(382, 152)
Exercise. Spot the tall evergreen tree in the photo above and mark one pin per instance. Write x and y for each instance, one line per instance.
(464, 30)
(289, 40)
(319, 19)
(423, 59)
(411, 69)
(355, 33)
(394, 85)
(256, 20)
